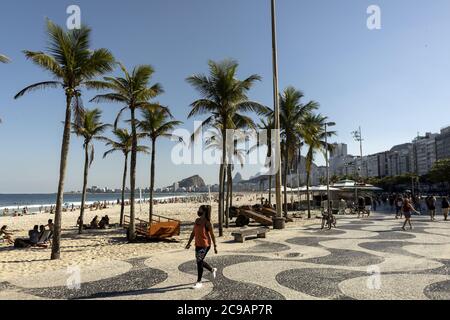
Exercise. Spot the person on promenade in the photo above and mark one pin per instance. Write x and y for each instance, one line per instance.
(7, 236)
(445, 207)
(203, 234)
(407, 210)
(431, 205)
(398, 207)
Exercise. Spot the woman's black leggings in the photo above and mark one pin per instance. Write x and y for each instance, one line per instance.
(200, 255)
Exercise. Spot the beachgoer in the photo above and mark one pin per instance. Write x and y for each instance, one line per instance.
(445, 207)
(407, 208)
(34, 235)
(431, 205)
(398, 207)
(6, 235)
(203, 233)
(50, 225)
(94, 223)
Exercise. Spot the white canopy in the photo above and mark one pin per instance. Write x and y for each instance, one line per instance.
(317, 189)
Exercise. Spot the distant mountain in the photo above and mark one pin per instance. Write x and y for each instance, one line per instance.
(192, 182)
(237, 178)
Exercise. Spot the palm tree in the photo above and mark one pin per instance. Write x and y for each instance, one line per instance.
(234, 154)
(90, 128)
(4, 59)
(133, 91)
(123, 142)
(313, 131)
(73, 65)
(292, 113)
(225, 98)
(156, 124)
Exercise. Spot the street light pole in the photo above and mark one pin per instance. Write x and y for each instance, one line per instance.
(328, 124)
(279, 222)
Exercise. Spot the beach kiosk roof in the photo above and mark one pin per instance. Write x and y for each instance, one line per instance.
(352, 185)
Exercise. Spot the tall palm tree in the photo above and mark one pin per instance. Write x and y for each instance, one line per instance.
(292, 112)
(234, 154)
(156, 124)
(313, 131)
(134, 91)
(224, 97)
(123, 142)
(72, 64)
(90, 128)
(4, 59)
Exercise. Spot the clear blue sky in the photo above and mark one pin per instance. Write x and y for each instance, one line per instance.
(394, 82)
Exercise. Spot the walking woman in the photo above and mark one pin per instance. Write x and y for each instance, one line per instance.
(203, 234)
(407, 209)
(445, 207)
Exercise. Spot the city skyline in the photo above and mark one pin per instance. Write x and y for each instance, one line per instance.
(386, 81)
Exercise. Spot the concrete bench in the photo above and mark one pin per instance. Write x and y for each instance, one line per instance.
(240, 235)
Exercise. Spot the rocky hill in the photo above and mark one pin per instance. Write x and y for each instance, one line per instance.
(192, 182)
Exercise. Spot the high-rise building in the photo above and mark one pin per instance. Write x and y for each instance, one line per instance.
(424, 153)
(443, 144)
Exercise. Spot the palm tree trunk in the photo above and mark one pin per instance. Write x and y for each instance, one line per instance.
(229, 196)
(152, 179)
(308, 173)
(56, 244)
(286, 155)
(270, 190)
(231, 188)
(124, 183)
(131, 228)
(85, 180)
(221, 183)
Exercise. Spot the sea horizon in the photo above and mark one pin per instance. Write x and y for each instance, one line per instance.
(34, 201)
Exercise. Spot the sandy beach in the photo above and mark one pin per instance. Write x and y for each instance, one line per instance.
(99, 246)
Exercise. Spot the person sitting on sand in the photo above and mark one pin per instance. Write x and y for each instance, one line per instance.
(34, 235)
(6, 235)
(94, 223)
(104, 222)
(203, 233)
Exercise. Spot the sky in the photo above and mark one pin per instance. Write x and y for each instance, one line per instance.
(393, 82)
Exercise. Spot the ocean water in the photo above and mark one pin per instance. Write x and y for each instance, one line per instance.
(34, 201)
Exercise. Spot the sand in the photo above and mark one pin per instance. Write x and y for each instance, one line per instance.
(98, 246)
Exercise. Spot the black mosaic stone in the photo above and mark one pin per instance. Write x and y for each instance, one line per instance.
(394, 247)
(393, 235)
(320, 282)
(227, 289)
(438, 290)
(136, 281)
(325, 232)
(267, 247)
(349, 258)
(308, 241)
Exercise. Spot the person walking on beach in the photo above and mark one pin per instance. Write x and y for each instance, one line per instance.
(407, 210)
(445, 207)
(203, 234)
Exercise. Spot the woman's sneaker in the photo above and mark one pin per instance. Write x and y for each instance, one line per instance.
(214, 273)
(198, 285)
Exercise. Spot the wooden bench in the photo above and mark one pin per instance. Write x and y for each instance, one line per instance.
(240, 235)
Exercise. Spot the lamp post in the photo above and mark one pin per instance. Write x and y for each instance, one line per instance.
(279, 222)
(328, 124)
